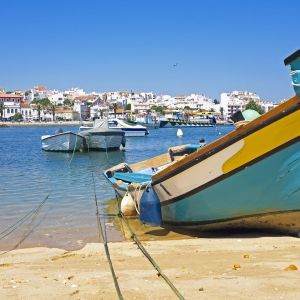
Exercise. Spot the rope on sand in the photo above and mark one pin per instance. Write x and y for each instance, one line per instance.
(103, 237)
(147, 255)
(33, 214)
(16, 225)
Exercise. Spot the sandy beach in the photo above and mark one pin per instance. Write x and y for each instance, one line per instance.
(200, 268)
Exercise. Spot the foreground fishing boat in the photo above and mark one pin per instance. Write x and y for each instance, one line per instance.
(62, 141)
(246, 179)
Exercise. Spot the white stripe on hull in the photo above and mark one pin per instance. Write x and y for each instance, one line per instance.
(135, 133)
(62, 142)
(196, 175)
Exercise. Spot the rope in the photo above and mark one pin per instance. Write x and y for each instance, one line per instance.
(103, 237)
(148, 256)
(106, 149)
(29, 229)
(14, 226)
(73, 152)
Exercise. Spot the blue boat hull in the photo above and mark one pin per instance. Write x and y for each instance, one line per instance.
(259, 196)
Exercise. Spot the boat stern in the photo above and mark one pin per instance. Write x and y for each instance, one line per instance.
(294, 61)
(150, 208)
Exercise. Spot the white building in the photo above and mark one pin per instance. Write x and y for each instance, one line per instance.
(267, 105)
(73, 93)
(11, 105)
(40, 92)
(27, 112)
(57, 97)
(236, 100)
(98, 110)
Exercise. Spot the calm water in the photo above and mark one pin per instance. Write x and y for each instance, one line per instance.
(68, 220)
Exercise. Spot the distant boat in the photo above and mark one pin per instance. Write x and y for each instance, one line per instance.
(62, 141)
(101, 137)
(178, 122)
(129, 129)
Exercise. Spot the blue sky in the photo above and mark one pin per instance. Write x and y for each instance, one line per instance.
(132, 45)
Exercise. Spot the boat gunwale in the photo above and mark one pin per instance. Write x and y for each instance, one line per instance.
(62, 133)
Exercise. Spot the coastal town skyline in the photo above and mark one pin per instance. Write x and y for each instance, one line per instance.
(172, 47)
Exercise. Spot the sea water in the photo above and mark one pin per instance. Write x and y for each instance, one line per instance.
(67, 220)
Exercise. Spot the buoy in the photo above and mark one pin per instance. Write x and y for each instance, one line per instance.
(127, 206)
(179, 132)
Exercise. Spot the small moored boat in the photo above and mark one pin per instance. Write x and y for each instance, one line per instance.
(101, 137)
(62, 141)
(129, 130)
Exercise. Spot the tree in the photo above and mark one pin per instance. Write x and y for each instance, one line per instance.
(159, 109)
(44, 103)
(216, 101)
(128, 106)
(186, 108)
(115, 107)
(222, 111)
(1, 109)
(38, 107)
(68, 102)
(253, 105)
(53, 111)
(17, 117)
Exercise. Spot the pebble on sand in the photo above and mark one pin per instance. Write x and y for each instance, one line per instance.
(291, 268)
(236, 267)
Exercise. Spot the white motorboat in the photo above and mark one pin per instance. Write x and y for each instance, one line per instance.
(62, 141)
(129, 130)
(101, 137)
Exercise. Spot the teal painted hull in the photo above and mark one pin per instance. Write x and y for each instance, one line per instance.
(262, 193)
(295, 65)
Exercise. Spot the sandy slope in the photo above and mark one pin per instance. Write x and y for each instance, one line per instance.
(200, 269)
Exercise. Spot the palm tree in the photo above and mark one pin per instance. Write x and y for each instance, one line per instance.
(53, 111)
(222, 111)
(39, 111)
(115, 106)
(1, 109)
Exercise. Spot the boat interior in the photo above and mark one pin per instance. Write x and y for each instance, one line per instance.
(141, 172)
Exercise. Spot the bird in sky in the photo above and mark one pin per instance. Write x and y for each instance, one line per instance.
(175, 65)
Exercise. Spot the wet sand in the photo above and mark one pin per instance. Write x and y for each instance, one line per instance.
(201, 268)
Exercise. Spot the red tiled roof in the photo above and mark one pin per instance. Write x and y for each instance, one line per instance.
(39, 88)
(25, 105)
(63, 110)
(87, 97)
(10, 96)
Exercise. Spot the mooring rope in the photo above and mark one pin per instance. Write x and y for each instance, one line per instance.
(29, 229)
(73, 152)
(15, 226)
(102, 237)
(147, 255)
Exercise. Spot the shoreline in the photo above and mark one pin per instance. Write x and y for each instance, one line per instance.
(33, 124)
(199, 268)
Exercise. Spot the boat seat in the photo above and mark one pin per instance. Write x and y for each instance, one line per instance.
(132, 177)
